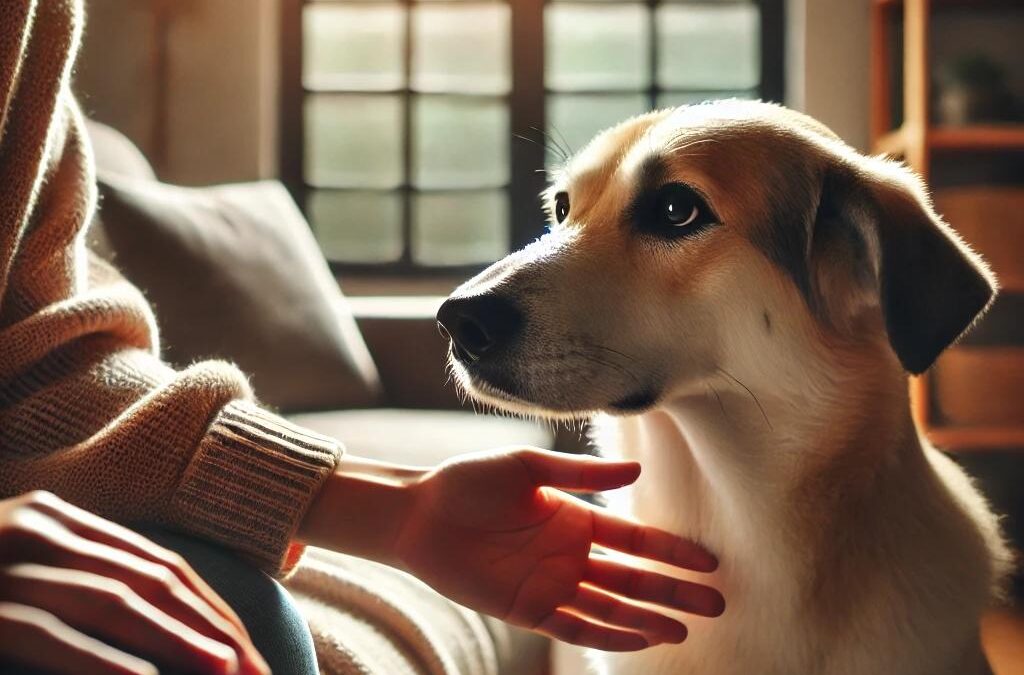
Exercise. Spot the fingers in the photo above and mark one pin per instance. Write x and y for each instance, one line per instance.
(607, 609)
(36, 639)
(568, 627)
(576, 472)
(648, 542)
(111, 611)
(163, 590)
(92, 527)
(43, 539)
(636, 584)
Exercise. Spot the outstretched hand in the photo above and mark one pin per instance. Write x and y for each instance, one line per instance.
(490, 531)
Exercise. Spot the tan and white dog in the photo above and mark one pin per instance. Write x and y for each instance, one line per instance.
(736, 298)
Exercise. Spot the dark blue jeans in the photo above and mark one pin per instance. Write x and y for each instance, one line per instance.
(268, 612)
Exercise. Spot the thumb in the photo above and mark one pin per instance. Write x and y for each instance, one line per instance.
(584, 473)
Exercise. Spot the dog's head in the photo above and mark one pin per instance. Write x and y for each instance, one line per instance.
(704, 240)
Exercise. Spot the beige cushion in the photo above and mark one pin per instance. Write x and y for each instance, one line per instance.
(114, 153)
(368, 618)
(233, 272)
(421, 437)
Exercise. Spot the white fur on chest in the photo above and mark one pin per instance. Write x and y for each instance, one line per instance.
(678, 494)
(765, 629)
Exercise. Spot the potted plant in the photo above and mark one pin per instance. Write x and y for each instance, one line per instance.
(973, 89)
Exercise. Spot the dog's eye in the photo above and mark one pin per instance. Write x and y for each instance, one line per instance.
(561, 206)
(675, 208)
(672, 211)
(680, 207)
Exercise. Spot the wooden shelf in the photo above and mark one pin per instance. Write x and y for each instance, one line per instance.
(980, 137)
(983, 434)
(984, 138)
(1011, 283)
(976, 438)
(968, 4)
(920, 142)
(893, 143)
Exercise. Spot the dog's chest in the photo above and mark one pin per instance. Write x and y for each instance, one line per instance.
(772, 623)
(756, 575)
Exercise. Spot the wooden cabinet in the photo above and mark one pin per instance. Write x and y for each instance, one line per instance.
(974, 397)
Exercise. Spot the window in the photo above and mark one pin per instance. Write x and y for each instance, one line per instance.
(413, 132)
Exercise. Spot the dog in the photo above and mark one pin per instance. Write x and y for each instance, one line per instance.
(736, 298)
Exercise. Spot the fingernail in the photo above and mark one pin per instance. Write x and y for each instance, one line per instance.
(710, 562)
(684, 555)
(677, 634)
(717, 605)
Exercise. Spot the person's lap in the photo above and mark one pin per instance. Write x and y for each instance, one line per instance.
(270, 615)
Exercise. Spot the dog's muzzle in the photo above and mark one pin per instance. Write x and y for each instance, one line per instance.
(481, 326)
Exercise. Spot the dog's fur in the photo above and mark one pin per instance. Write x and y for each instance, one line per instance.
(758, 370)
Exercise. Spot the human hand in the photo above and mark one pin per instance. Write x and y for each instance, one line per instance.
(488, 531)
(81, 595)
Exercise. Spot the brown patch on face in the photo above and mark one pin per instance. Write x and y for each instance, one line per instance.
(593, 178)
(682, 268)
(758, 185)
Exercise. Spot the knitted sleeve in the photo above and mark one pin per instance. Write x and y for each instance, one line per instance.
(87, 409)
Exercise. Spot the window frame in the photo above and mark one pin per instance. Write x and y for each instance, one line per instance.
(527, 101)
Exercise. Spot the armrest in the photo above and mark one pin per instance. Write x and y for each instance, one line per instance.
(402, 335)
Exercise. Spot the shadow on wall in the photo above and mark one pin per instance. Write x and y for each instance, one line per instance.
(193, 83)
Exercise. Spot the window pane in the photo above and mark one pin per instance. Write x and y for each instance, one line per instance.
(573, 119)
(460, 142)
(460, 228)
(354, 140)
(590, 46)
(708, 46)
(359, 227)
(461, 48)
(353, 46)
(671, 99)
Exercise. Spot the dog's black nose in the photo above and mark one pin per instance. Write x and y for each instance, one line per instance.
(479, 325)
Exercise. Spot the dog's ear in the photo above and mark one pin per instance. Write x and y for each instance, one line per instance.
(876, 235)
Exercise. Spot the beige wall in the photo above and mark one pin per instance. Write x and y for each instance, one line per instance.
(827, 64)
(216, 97)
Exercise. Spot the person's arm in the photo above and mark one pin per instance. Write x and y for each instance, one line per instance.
(87, 409)
(490, 531)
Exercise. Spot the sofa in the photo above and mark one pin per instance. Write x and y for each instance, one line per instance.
(233, 272)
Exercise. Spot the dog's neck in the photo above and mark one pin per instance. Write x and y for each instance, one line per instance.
(757, 453)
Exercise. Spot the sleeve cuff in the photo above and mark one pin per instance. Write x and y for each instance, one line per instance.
(251, 481)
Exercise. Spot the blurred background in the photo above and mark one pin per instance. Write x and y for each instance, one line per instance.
(415, 135)
(410, 131)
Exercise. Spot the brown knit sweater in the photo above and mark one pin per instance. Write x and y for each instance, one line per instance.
(87, 409)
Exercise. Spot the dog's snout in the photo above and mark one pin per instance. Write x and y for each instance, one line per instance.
(479, 325)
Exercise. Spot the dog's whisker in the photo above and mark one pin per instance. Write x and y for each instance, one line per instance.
(610, 364)
(565, 142)
(531, 140)
(718, 396)
(563, 151)
(752, 395)
(614, 351)
(553, 142)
